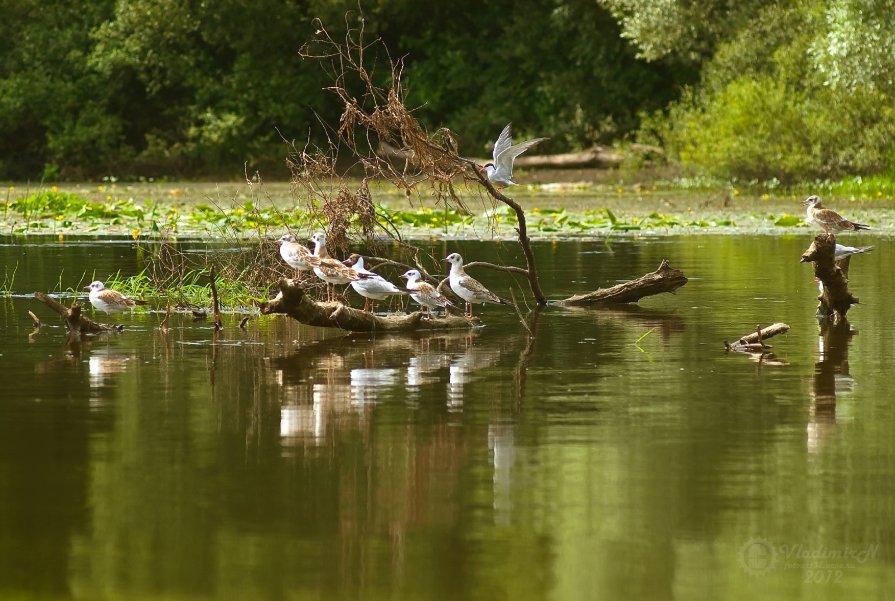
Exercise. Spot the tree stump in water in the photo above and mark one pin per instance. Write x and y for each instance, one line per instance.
(835, 297)
(76, 322)
(291, 300)
(663, 279)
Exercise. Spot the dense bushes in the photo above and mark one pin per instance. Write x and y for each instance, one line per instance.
(182, 88)
(777, 99)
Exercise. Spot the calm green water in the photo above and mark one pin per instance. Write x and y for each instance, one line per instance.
(283, 462)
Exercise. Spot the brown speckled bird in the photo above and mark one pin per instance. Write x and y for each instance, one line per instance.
(828, 220)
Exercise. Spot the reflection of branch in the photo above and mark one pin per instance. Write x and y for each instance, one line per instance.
(833, 361)
(521, 370)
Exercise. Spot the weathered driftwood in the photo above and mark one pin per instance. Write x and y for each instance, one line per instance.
(218, 324)
(754, 342)
(596, 156)
(75, 320)
(835, 298)
(291, 300)
(663, 279)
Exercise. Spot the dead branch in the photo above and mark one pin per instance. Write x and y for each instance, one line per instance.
(218, 325)
(664, 279)
(34, 320)
(291, 300)
(754, 342)
(508, 268)
(835, 297)
(76, 322)
(378, 116)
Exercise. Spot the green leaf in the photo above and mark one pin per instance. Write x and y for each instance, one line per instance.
(788, 221)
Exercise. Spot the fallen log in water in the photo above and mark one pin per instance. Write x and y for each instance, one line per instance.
(663, 279)
(754, 342)
(596, 156)
(835, 297)
(75, 320)
(291, 300)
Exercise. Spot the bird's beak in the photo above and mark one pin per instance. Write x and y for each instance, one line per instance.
(86, 288)
(804, 203)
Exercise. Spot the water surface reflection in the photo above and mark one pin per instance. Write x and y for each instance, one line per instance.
(616, 453)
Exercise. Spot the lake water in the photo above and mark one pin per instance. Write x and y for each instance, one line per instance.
(617, 453)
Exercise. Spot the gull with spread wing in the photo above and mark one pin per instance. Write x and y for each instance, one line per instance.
(500, 172)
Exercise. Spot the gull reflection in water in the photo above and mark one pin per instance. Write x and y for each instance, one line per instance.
(342, 380)
(502, 444)
(103, 367)
(367, 384)
(475, 357)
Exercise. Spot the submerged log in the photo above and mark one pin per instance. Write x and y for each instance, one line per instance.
(596, 156)
(663, 279)
(75, 320)
(835, 297)
(291, 300)
(754, 342)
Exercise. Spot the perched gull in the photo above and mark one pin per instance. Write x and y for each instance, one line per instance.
(330, 270)
(296, 255)
(374, 287)
(843, 251)
(828, 220)
(110, 301)
(467, 287)
(426, 294)
(500, 172)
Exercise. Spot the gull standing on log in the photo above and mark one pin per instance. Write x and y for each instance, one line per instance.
(374, 287)
(108, 300)
(425, 293)
(467, 287)
(828, 220)
(298, 256)
(500, 172)
(330, 270)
